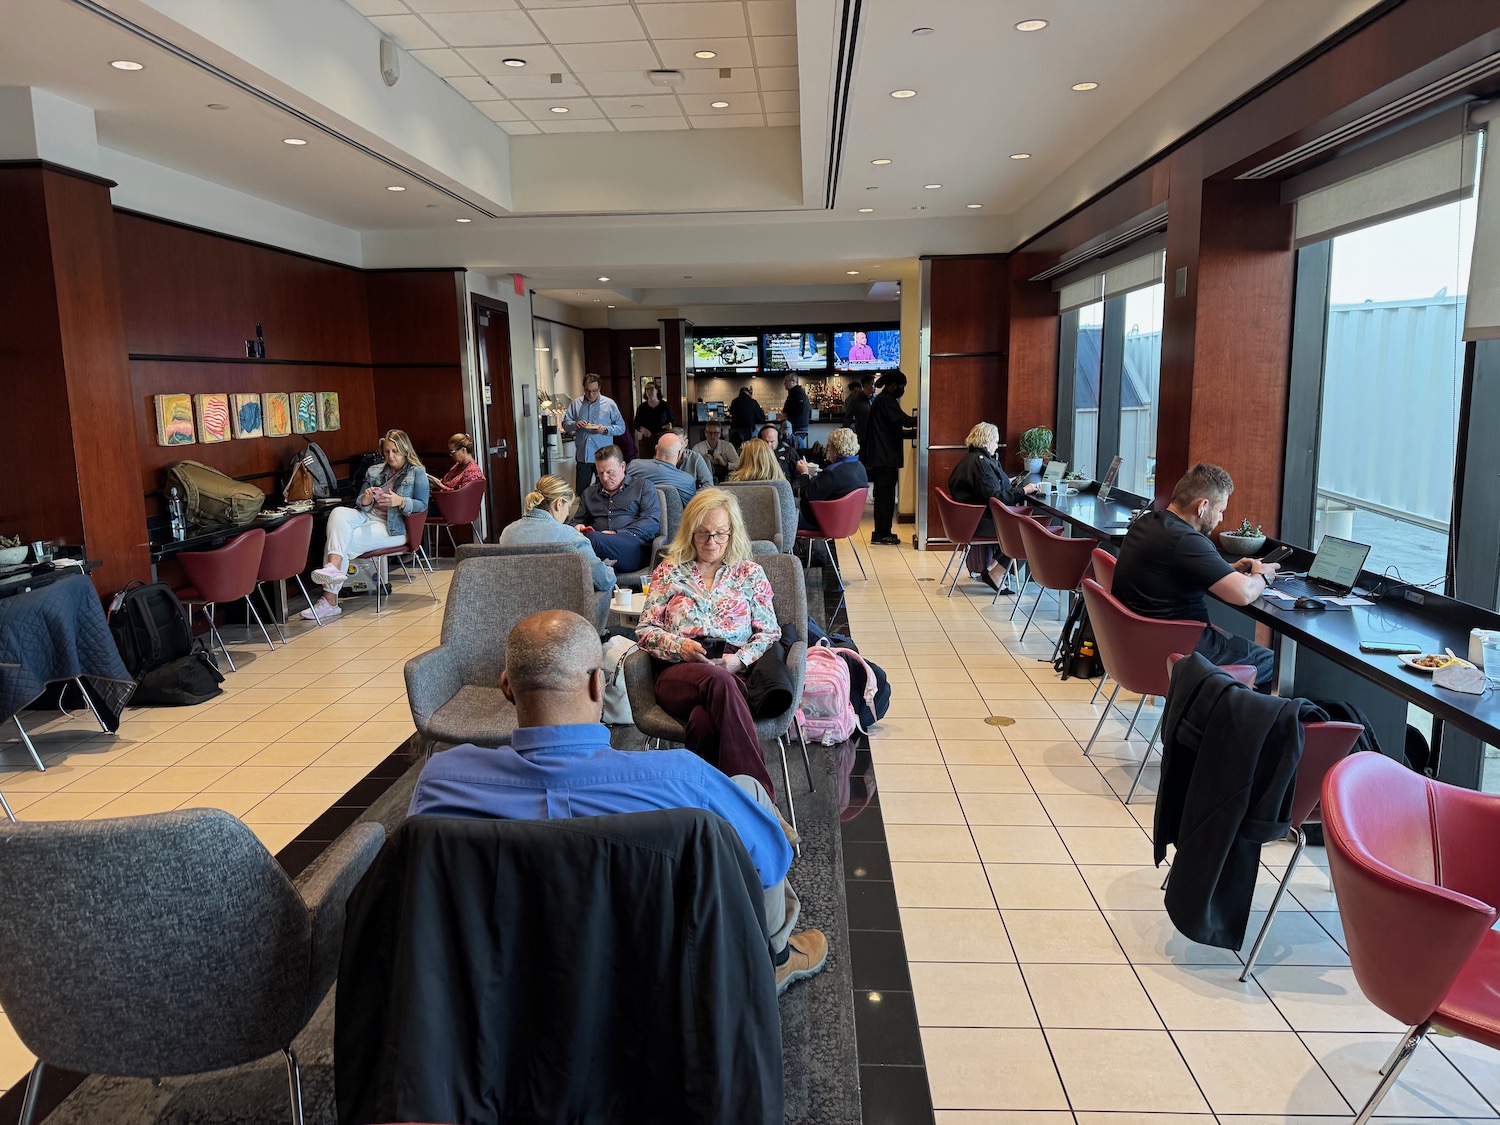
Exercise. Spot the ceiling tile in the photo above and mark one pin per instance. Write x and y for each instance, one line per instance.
(490, 60)
(738, 103)
(777, 77)
(783, 118)
(485, 29)
(544, 5)
(589, 25)
(443, 61)
(650, 124)
(537, 86)
(708, 19)
(780, 101)
(578, 109)
(564, 125)
(678, 53)
(773, 17)
(378, 7)
(585, 58)
(461, 5)
(776, 50)
(475, 89)
(644, 106)
(708, 81)
(620, 83)
(518, 128)
(501, 111)
(408, 31)
(728, 121)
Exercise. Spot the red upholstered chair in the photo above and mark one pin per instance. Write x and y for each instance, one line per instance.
(1102, 570)
(461, 506)
(225, 575)
(1007, 521)
(285, 556)
(1413, 865)
(415, 524)
(960, 522)
(837, 519)
(1245, 673)
(1057, 563)
(1324, 745)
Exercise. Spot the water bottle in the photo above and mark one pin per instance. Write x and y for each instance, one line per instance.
(178, 513)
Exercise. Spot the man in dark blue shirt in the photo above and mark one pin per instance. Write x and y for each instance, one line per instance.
(560, 764)
(620, 517)
(663, 468)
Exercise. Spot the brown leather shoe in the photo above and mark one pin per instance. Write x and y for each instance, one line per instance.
(791, 834)
(807, 952)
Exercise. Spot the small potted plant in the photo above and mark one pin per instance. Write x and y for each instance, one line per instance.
(1035, 447)
(12, 550)
(1243, 540)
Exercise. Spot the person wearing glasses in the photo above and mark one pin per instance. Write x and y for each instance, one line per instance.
(710, 625)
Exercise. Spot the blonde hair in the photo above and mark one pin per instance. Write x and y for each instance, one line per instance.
(461, 441)
(683, 549)
(403, 443)
(844, 442)
(757, 462)
(982, 435)
(549, 490)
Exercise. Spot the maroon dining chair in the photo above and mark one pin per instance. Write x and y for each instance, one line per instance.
(1413, 865)
(1007, 521)
(459, 507)
(960, 523)
(224, 575)
(1057, 563)
(415, 524)
(1324, 745)
(837, 519)
(285, 556)
(1102, 569)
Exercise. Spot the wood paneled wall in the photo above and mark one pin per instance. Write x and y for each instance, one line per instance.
(673, 341)
(416, 347)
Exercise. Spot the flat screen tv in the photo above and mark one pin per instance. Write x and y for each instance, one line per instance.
(726, 353)
(796, 351)
(874, 349)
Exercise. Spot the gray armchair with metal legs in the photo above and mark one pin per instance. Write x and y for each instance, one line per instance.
(789, 590)
(177, 946)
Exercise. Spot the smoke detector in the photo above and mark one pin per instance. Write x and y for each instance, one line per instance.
(666, 78)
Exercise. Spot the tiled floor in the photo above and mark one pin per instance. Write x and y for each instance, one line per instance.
(1046, 977)
(294, 731)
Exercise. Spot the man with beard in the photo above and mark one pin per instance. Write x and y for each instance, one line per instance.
(1168, 563)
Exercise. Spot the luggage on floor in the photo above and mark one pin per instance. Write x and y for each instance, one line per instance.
(194, 678)
(826, 716)
(869, 707)
(214, 501)
(150, 627)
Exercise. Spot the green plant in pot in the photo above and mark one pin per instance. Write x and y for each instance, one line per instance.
(1243, 540)
(1035, 446)
(12, 551)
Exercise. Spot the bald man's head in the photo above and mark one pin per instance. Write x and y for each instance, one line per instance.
(553, 651)
(668, 448)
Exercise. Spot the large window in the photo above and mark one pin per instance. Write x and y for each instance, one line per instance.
(1082, 451)
(1139, 382)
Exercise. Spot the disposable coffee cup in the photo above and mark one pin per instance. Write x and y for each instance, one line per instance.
(623, 598)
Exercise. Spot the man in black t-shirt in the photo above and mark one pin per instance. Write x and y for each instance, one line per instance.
(1168, 564)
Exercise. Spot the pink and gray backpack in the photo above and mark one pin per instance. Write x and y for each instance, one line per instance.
(827, 713)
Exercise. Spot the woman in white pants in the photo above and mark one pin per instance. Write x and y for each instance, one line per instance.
(391, 492)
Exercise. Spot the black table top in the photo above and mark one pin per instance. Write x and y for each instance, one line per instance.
(165, 549)
(1108, 519)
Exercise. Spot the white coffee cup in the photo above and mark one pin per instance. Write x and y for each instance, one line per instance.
(623, 597)
(1478, 638)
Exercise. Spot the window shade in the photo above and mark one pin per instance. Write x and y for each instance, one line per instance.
(1082, 292)
(1134, 274)
(1482, 314)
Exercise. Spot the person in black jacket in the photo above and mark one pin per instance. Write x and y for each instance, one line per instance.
(857, 406)
(883, 451)
(974, 480)
(653, 417)
(797, 410)
(841, 476)
(784, 452)
(745, 416)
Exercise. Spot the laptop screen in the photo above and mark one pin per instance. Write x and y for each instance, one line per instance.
(1338, 562)
(1054, 471)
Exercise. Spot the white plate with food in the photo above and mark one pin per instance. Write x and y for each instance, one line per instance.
(1430, 662)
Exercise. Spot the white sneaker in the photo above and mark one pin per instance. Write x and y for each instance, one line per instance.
(327, 575)
(320, 610)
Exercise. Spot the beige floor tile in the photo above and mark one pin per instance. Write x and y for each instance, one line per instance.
(961, 729)
(1209, 998)
(15, 1059)
(1476, 1062)
(1136, 1071)
(67, 806)
(1004, 1117)
(1295, 939)
(325, 779)
(952, 994)
(1038, 886)
(1099, 996)
(1081, 780)
(930, 843)
(287, 754)
(113, 779)
(954, 935)
(139, 804)
(902, 728)
(156, 754)
(274, 836)
(235, 804)
(1087, 810)
(913, 808)
(1162, 1119)
(976, 753)
(253, 779)
(958, 690)
(1125, 888)
(1325, 998)
(1266, 1072)
(1429, 1086)
(991, 1068)
(959, 885)
(989, 779)
(1120, 846)
(1072, 937)
(1034, 730)
(1044, 752)
(998, 694)
(57, 776)
(1149, 938)
(972, 708)
(918, 752)
(346, 755)
(1010, 843)
(898, 778)
(223, 754)
(300, 809)
(1004, 808)
(183, 779)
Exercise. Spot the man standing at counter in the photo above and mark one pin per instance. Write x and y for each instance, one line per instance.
(1168, 563)
(592, 421)
(797, 410)
(745, 415)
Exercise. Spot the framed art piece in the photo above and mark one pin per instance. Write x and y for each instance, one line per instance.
(304, 412)
(174, 420)
(276, 414)
(213, 417)
(328, 410)
(247, 417)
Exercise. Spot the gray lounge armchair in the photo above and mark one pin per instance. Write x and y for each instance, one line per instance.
(770, 512)
(454, 689)
(671, 516)
(167, 944)
(789, 590)
(495, 550)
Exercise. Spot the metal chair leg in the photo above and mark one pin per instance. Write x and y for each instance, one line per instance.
(786, 779)
(402, 563)
(1029, 616)
(98, 718)
(430, 590)
(271, 613)
(1146, 757)
(1385, 1067)
(1100, 724)
(26, 742)
(862, 574)
(806, 761)
(949, 567)
(1021, 590)
(255, 613)
(294, 1084)
(1409, 1043)
(1136, 715)
(4, 804)
(956, 557)
(1098, 687)
(308, 598)
(33, 1089)
(1265, 927)
(452, 542)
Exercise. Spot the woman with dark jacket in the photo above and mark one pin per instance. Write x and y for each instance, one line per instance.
(974, 480)
(653, 417)
(883, 451)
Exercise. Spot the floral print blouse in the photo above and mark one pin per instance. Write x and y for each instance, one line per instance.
(738, 610)
(460, 475)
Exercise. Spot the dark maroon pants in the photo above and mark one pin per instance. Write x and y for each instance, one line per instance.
(711, 701)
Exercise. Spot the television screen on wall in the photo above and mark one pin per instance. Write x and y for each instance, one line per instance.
(873, 349)
(726, 353)
(796, 351)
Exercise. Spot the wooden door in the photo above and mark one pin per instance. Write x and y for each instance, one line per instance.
(501, 456)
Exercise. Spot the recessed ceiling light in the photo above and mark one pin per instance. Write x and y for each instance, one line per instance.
(921, 31)
(705, 54)
(932, 187)
(1020, 156)
(293, 141)
(604, 279)
(1031, 25)
(1082, 86)
(973, 206)
(852, 273)
(514, 62)
(903, 93)
(463, 220)
(559, 109)
(881, 161)
(395, 187)
(126, 64)
(865, 210)
(596, 300)
(719, 105)
(609, 306)
(217, 105)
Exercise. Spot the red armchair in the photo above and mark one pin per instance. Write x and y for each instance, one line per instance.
(960, 522)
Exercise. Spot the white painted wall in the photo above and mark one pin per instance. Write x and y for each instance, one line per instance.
(37, 125)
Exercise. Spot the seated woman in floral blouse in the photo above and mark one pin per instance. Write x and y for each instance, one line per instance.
(707, 620)
(465, 469)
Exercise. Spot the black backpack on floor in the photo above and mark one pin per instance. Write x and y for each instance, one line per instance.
(150, 627)
(194, 678)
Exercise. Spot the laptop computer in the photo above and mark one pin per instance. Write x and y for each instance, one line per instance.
(1053, 473)
(1333, 573)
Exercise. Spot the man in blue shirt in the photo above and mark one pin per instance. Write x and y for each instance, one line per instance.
(663, 468)
(592, 421)
(560, 765)
(620, 515)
